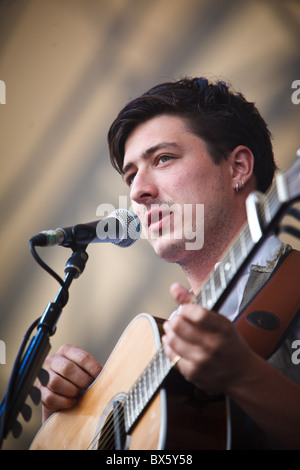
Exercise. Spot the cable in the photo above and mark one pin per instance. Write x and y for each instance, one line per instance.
(49, 271)
(13, 377)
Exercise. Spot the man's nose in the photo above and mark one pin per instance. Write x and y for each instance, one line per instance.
(143, 188)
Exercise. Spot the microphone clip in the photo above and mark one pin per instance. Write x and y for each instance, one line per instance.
(77, 262)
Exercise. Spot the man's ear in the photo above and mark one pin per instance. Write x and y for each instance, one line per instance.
(242, 161)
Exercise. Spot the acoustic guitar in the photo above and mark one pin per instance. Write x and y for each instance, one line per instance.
(139, 400)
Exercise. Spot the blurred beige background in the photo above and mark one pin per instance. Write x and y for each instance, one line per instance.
(68, 66)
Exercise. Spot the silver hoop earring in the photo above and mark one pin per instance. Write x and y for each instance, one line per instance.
(237, 187)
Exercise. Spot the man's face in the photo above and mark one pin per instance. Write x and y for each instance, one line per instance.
(172, 178)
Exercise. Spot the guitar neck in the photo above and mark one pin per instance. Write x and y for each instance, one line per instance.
(220, 281)
(145, 387)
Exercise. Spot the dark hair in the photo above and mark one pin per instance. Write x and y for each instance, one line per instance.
(223, 118)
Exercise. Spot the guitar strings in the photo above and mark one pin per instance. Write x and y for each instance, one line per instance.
(214, 279)
(108, 430)
(214, 282)
(109, 427)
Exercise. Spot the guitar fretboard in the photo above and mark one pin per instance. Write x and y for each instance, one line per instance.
(220, 279)
(145, 387)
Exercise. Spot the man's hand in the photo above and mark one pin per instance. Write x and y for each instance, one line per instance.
(71, 370)
(215, 358)
(213, 355)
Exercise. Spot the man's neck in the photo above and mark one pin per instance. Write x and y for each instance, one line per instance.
(199, 264)
(198, 270)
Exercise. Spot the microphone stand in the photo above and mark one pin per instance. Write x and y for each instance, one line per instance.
(28, 366)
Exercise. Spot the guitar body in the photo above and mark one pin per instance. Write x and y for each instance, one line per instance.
(177, 417)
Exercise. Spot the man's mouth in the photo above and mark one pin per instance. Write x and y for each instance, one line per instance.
(156, 218)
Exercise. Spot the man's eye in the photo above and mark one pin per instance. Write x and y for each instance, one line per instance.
(164, 158)
(129, 179)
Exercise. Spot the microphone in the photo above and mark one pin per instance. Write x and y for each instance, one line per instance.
(121, 228)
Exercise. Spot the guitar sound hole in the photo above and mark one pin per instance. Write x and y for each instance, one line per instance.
(112, 434)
